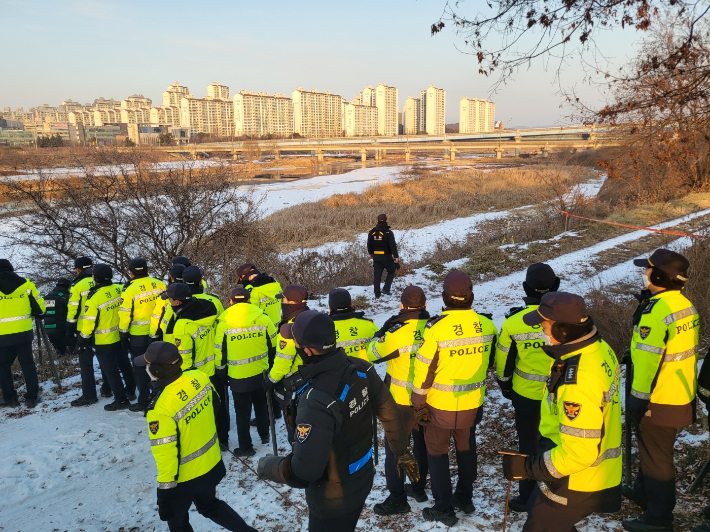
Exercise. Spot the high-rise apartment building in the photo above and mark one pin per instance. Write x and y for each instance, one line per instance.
(214, 116)
(81, 116)
(104, 104)
(317, 114)
(433, 111)
(367, 95)
(411, 116)
(136, 109)
(107, 116)
(360, 120)
(476, 116)
(137, 101)
(217, 91)
(387, 102)
(173, 95)
(165, 115)
(259, 114)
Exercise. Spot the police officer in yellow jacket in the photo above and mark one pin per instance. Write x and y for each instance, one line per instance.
(140, 295)
(183, 440)
(523, 367)
(99, 335)
(263, 289)
(244, 337)
(294, 301)
(353, 331)
(20, 301)
(161, 311)
(577, 465)
(448, 391)
(664, 353)
(397, 345)
(192, 277)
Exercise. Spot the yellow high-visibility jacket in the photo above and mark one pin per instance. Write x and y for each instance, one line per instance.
(78, 292)
(100, 314)
(139, 299)
(354, 333)
(16, 311)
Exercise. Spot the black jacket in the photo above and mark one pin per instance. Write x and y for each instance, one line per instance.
(332, 454)
(380, 242)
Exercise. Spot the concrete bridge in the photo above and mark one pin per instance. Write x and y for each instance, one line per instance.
(499, 142)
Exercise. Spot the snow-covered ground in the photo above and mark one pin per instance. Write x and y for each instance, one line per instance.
(84, 469)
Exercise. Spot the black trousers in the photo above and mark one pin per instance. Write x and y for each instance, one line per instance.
(379, 266)
(527, 424)
(205, 498)
(243, 402)
(544, 517)
(344, 523)
(437, 445)
(108, 356)
(59, 340)
(656, 478)
(23, 353)
(395, 483)
(223, 412)
(139, 345)
(125, 366)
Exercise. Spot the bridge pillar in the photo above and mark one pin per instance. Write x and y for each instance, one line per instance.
(320, 155)
(363, 155)
(277, 155)
(383, 154)
(518, 137)
(407, 153)
(452, 154)
(235, 156)
(499, 153)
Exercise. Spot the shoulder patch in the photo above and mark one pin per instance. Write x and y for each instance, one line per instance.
(303, 430)
(282, 344)
(650, 306)
(154, 426)
(433, 321)
(513, 311)
(644, 332)
(393, 329)
(571, 368)
(572, 410)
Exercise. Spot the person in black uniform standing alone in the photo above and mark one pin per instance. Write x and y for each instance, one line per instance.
(332, 455)
(55, 319)
(382, 249)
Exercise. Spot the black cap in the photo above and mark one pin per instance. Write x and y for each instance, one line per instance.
(138, 266)
(83, 262)
(240, 295)
(381, 217)
(669, 262)
(181, 259)
(413, 297)
(6, 266)
(102, 273)
(558, 306)
(314, 329)
(245, 269)
(64, 283)
(177, 291)
(192, 275)
(176, 272)
(159, 353)
(294, 292)
(339, 299)
(540, 276)
(458, 285)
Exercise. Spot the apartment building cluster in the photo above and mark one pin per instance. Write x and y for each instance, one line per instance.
(374, 111)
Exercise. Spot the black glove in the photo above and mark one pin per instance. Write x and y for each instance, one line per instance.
(165, 504)
(82, 344)
(268, 460)
(514, 465)
(396, 266)
(406, 464)
(636, 408)
(421, 415)
(267, 383)
(125, 341)
(71, 332)
(506, 388)
(39, 317)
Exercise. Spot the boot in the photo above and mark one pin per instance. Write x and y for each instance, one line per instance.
(518, 504)
(106, 393)
(265, 440)
(447, 517)
(243, 453)
(12, 403)
(463, 503)
(644, 524)
(83, 401)
(31, 403)
(634, 495)
(392, 507)
(131, 396)
(417, 495)
(137, 407)
(112, 407)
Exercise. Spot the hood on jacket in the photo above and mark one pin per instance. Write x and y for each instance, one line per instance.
(10, 281)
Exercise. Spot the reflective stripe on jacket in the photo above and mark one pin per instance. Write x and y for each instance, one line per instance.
(139, 301)
(100, 314)
(354, 335)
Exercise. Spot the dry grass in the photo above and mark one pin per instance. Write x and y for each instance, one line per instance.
(423, 197)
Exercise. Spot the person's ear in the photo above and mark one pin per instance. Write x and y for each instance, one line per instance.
(308, 351)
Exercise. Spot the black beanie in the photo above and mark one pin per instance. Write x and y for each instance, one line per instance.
(458, 290)
(81, 263)
(102, 273)
(6, 266)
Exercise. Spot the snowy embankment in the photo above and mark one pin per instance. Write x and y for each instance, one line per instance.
(84, 469)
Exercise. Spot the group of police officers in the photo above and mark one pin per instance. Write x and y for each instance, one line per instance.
(176, 351)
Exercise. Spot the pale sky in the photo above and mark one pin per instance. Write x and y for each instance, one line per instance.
(53, 50)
